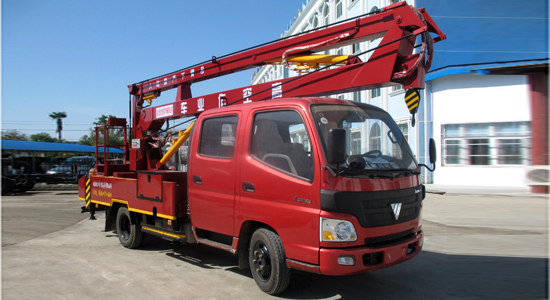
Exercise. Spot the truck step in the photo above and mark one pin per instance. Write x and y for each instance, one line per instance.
(218, 245)
(176, 236)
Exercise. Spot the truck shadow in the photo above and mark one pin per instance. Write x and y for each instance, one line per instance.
(430, 275)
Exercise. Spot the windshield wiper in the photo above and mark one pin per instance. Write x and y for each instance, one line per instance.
(339, 170)
(381, 175)
(392, 173)
(407, 171)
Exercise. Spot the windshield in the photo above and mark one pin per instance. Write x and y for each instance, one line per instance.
(371, 135)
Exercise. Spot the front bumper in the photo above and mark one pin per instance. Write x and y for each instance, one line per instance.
(368, 259)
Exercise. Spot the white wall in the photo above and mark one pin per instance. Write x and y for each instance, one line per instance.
(471, 98)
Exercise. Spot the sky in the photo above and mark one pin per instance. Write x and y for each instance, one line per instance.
(79, 56)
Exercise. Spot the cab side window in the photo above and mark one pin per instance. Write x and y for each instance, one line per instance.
(280, 140)
(218, 137)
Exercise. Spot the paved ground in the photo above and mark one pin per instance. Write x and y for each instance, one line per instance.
(478, 246)
(36, 213)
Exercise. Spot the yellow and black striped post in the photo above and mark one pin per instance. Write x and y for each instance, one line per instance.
(412, 99)
(88, 191)
(89, 198)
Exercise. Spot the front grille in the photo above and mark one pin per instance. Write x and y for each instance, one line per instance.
(378, 212)
(386, 240)
(371, 203)
(373, 209)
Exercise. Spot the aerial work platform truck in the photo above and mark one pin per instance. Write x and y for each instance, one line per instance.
(277, 173)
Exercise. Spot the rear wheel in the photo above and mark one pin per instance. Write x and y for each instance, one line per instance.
(7, 185)
(129, 234)
(268, 261)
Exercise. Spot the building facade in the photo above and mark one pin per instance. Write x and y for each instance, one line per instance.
(478, 97)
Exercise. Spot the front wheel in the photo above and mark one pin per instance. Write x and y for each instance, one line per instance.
(129, 234)
(268, 261)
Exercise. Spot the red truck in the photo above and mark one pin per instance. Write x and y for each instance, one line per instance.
(277, 174)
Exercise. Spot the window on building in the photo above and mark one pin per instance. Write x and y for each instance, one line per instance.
(486, 144)
(374, 93)
(404, 127)
(479, 151)
(315, 21)
(356, 48)
(452, 151)
(338, 8)
(396, 88)
(509, 151)
(218, 137)
(326, 15)
(357, 96)
(356, 141)
(375, 138)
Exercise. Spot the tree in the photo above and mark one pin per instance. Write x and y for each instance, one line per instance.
(116, 136)
(86, 140)
(103, 120)
(42, 137)
(14, 135)
(58, 116)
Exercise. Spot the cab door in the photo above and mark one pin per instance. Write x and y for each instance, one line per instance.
(212, 173)
(279, 185)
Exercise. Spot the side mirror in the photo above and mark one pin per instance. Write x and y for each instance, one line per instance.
(336, 146)
(433, 152)
(433, 156)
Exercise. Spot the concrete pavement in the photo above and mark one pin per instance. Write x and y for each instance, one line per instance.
(523, 191)
(477, 246)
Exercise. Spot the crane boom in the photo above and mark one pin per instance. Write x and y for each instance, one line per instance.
(393, 22)
(391, 63)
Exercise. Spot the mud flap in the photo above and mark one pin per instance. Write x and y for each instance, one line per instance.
(110, 219)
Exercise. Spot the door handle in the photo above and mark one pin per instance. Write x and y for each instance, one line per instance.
(248, 187)
(197, 179)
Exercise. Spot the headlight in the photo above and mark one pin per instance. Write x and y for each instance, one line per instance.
(333, 230)
(51, 172)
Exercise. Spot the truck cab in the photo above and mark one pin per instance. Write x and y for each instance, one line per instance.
(268, 165)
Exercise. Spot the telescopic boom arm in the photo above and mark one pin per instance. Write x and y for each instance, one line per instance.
(392, 63)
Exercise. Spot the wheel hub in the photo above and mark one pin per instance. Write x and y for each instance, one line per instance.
(262, 261)
(125, 229)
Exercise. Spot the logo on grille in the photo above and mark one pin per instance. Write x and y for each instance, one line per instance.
(396, 208)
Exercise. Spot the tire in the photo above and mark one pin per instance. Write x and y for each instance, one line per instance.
(268, 261)
(7, 185)
(29, 185)
(129, 234)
